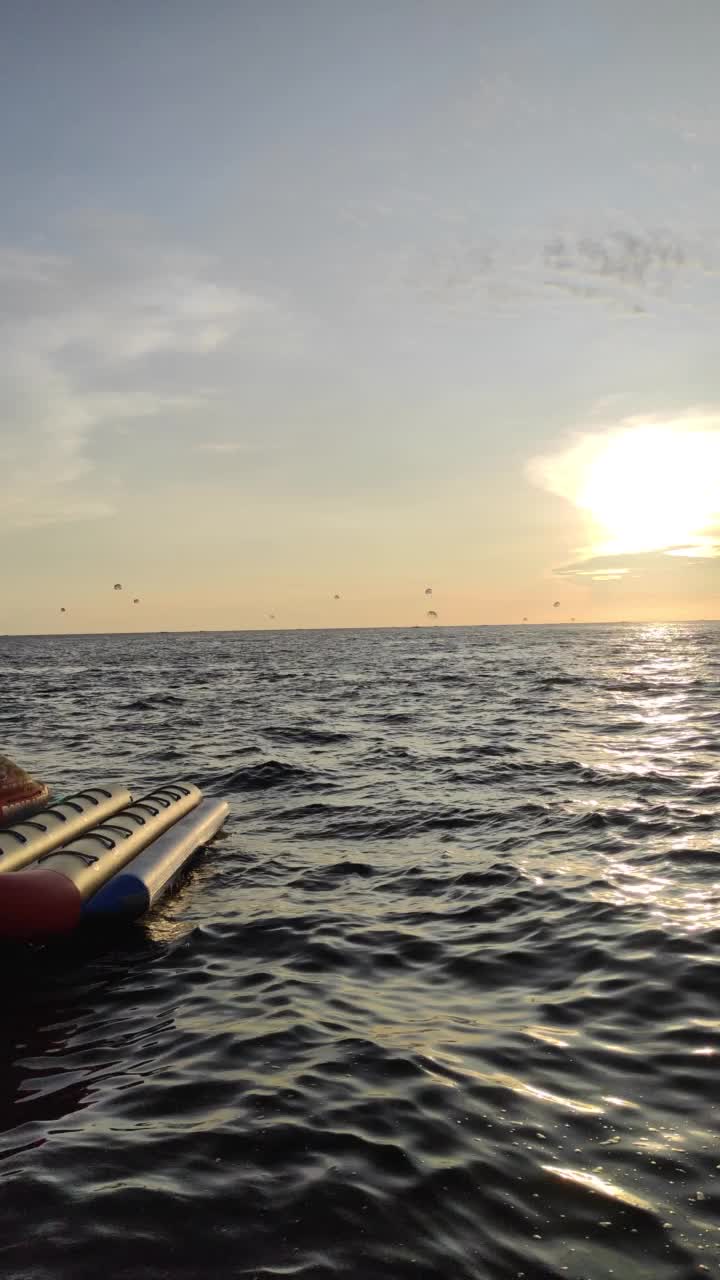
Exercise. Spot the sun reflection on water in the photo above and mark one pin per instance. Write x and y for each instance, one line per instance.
(592, 1182)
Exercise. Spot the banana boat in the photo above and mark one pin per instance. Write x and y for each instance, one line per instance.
(99, 855)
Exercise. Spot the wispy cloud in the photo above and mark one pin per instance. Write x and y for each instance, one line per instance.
(160, 308)
(47, 426)
(79, 335)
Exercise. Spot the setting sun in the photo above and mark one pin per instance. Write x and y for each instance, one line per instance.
(647, 486)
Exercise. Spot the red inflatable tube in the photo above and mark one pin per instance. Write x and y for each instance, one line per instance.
(37, 904)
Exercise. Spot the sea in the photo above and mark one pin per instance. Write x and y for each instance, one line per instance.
(443, 999)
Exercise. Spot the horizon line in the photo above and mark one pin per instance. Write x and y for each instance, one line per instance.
(413, 626)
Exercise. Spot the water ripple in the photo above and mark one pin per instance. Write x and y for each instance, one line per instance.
(442, 999)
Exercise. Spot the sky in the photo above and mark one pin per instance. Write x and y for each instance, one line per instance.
(306, 299)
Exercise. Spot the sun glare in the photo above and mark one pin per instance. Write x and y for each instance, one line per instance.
(646, 486)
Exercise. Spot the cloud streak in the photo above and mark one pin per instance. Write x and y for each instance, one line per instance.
(223, 447)
(640, 564)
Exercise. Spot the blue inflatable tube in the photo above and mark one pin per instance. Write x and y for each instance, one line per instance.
(141, 883)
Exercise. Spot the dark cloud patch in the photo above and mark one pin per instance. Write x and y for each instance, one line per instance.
(629, 259)
(623, 268)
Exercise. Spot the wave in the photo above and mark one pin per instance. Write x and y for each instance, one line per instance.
(443, 998)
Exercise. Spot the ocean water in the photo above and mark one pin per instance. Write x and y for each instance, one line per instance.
(442, 1001)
